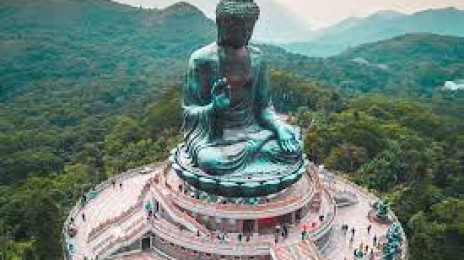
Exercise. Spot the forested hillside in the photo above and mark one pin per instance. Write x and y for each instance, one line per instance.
(412, 65)
(69, 66)
(85, 87)
(80, 82)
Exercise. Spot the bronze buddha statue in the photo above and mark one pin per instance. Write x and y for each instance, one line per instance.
(230, 127)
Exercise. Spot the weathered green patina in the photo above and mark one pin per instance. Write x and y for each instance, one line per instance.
(230, 129)
(394, 241)
(382, 210)
(358, 253)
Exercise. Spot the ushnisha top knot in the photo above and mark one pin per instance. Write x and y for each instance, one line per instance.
(244, 9)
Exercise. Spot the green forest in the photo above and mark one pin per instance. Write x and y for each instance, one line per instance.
(81, 101)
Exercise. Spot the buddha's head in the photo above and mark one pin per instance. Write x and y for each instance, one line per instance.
(236, 20)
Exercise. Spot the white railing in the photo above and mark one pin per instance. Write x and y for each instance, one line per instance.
(168, 232)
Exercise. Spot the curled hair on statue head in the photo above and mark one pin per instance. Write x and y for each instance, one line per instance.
(233, 14)
(241, 9)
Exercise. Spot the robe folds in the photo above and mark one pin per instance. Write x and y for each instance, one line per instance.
(240, 138)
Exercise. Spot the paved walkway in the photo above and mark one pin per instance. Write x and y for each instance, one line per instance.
(355, 216)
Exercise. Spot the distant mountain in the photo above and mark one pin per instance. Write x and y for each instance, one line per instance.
(278, 24)
(413, 64)
(379, 26)
(353, 23)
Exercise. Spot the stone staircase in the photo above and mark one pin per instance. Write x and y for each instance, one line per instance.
(132, 232)
(297, 251)
(281, 253)
(163, 196)
(119, 204)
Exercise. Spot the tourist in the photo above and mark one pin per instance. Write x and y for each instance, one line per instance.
(369, 229)
(375, 241)
(221, 236)
(198, 233)
(303, 235)
(352, 232)
(371, 254)
(113, 182)
(240, 237)
(83, 216)
(120, 185)
(285, 229)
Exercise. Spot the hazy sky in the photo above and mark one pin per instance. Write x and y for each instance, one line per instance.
(321, 13)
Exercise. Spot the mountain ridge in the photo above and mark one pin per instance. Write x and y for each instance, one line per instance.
(412, 65)
(376, 27)
(98, 35)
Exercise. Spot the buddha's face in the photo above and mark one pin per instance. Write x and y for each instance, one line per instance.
(235, 32)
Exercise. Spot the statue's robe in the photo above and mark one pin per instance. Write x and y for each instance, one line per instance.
(240, 138)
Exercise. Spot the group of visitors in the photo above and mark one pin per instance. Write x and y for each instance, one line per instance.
(247, 236)
(363, 249)
(281, 232)
(113, 182)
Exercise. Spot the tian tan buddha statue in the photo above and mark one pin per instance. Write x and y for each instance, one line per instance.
(230, 128)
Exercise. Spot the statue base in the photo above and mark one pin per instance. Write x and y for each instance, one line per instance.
(381, 220)
(260, 182)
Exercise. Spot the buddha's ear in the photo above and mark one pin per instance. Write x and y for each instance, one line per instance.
(221, 31)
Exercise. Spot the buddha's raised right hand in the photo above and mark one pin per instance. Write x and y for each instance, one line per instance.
(220, 94)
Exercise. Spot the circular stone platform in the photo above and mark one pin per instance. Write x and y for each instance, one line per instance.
(150, 213)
